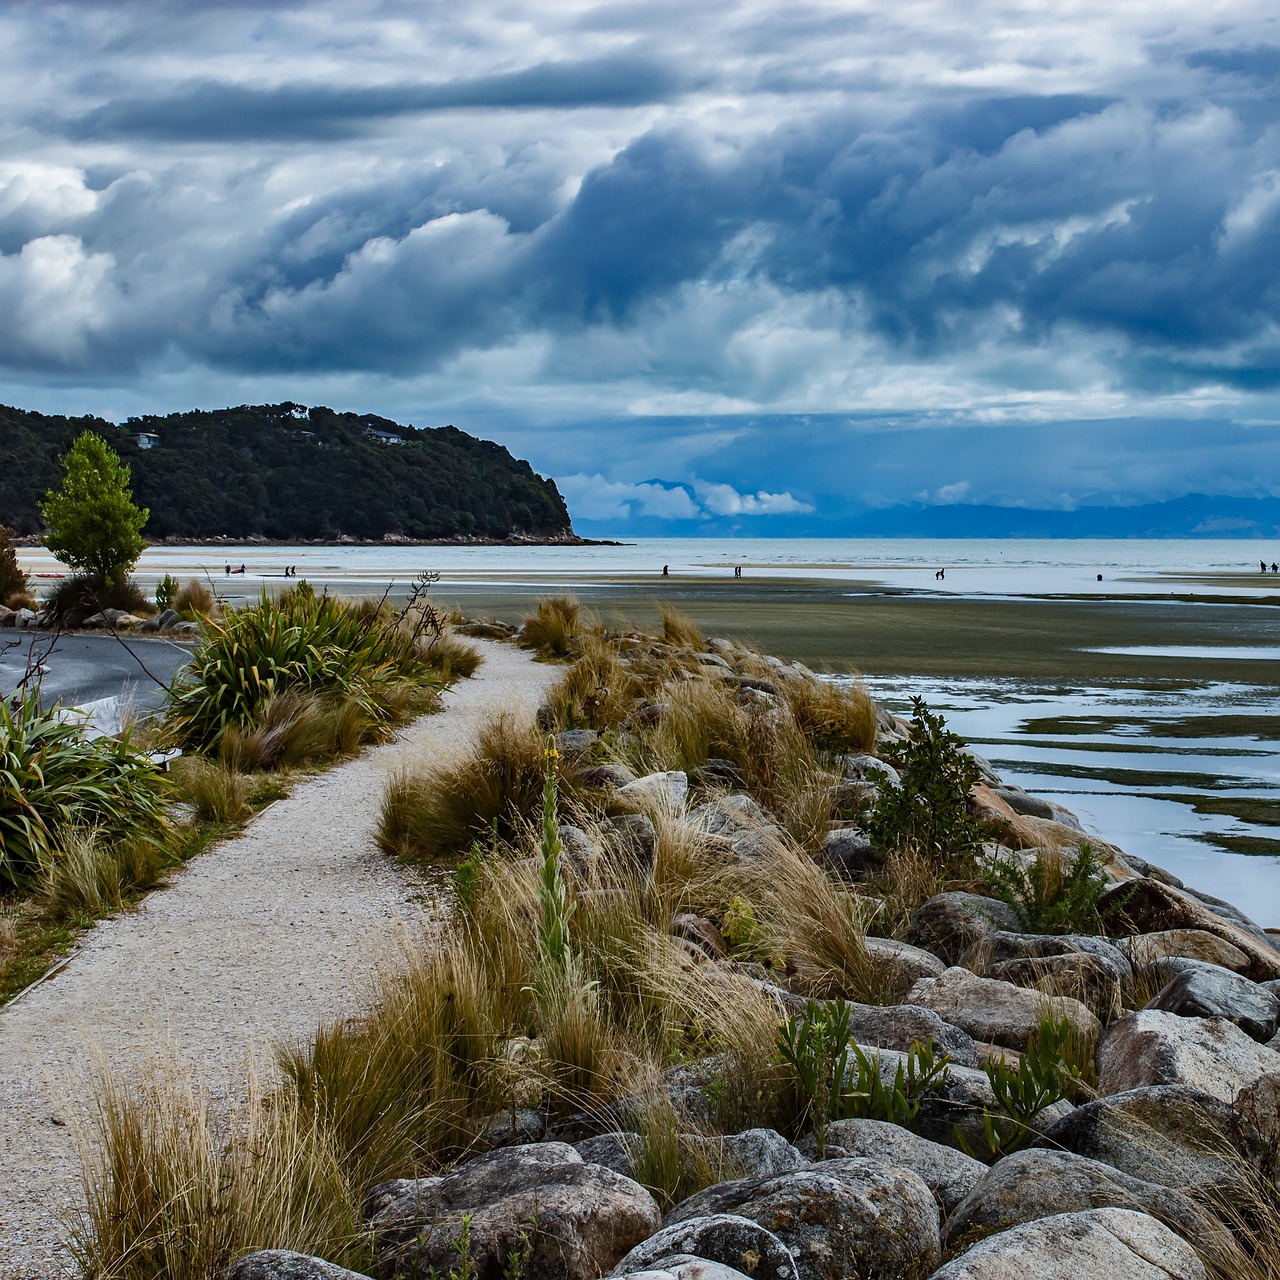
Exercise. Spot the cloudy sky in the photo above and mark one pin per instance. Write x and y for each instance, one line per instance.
(712, 266)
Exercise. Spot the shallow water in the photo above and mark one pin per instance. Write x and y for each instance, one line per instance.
(1100, 751)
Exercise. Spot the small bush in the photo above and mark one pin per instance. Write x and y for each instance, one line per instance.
(215, 792)
(13, 582)
(1055, 893)
(438, 813)
(291, 728)
(75, 598)
(54, 779)
(929, 812)
(194, 600)
(553, 627)
(166, 592)
(92, 876)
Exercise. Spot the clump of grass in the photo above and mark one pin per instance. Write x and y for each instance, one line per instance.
(217, 792)
(168, 1195)
(91, 875)
(681, 630)
(598, 691)
(672, 1160)
(833, 717)
(194, 601)
(436, 813)
(290, 728)
(553, 627)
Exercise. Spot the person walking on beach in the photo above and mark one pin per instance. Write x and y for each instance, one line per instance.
(228, 567)
(666, 571)
(1262, 565)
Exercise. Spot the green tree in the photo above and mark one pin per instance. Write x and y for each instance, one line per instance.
(94, 524)
(13, 582)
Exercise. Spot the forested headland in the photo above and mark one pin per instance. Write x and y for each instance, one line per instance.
(286, 472)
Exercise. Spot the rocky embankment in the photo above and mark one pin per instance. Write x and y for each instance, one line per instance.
(1161, 1168)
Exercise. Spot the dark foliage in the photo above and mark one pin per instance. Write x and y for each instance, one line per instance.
(13, 582)
(285, 472)
(75, 598)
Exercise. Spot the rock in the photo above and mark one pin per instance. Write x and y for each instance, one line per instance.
(1022, 802)
(570, 1220)
(1219, 993)
(185, 628)
(1001, 945)
(632, 839)
(1087, 978)
(283, 1264)
(1259, 1104)
(849, 854)
(616, 1151)
(838, 1219)
(1169, 1134)
(759, 844)
(1189, 944)
(580, 851)
(1147, 906)
(948, 1173)
(754, 1153)
(716, 772)
(94, 621)
(1037, 1183)
(989, 775)
(726, 1238)
(1153, 1047)
(865, 768)
(573, 743)
(600, 777)
(683, 1266)
(701, 932)
(1098, 1244)
(1142, 867)
(167, 618)
(727, 815)
(666, 791)
(515, 1127)
(712, 660)
(900, 965)
(995, 1011)
(24, 618)
(899, 1026)
(951, 924)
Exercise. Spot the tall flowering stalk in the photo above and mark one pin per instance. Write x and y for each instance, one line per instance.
(559, 966)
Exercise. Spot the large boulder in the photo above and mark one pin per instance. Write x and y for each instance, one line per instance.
(284, 1264)
(1183, 944)
(997, 1012)
(1170, 1134)
(839, 1219)
(727, 815)
(1147, 906)
(1098, 1244)
(1000, 945)
(899, 965)
(899, 1026)
(948, 1173)
(1215, 992)
(1154, 1047)
(953, 924)
(1096, 983)
(664, 791)
(1038, 1184)
(754, 1153)
(850, 854)
(683, 1266)
(540, 1205)
(726, 1238)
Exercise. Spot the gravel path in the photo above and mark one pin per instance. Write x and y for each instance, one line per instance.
(257, 941)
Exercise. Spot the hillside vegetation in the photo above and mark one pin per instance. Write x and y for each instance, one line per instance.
(286, 472)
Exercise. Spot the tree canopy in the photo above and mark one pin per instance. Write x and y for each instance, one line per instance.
(94, 524)
(285, 472)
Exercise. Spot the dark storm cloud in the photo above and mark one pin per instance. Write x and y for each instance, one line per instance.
(218, 112)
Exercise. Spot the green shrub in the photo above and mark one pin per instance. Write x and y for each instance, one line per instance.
(1054, 894)
(166, 592)
(929, 812)
(1044, 1075)
(298, 642)
(54, 779)
(918, 1073)
(80, 596)
(194, 600)
(13, 582)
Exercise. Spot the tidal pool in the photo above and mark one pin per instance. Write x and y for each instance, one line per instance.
(1185, 775)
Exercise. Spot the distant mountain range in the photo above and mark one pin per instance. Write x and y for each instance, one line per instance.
(287, 472)
(1191, 516)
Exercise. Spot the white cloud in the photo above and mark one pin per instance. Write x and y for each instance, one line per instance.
(725, 500)
(595, 498)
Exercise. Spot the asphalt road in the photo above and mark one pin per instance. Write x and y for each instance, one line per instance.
(83, 668)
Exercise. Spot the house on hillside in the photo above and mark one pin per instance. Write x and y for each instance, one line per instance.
(147, 440)
(382, 437)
